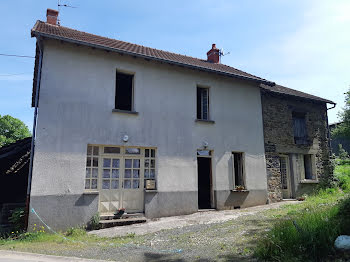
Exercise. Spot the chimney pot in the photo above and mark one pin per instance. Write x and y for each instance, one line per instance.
(51, 16)
(213, 55)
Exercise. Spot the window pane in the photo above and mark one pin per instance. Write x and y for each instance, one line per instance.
(127, 173)
(106, 173)
(88, 173)
(95, 162)
(106, 162)
(146, 152)
(89, 150)
(115, 173)
(153, 173)
(115, 184)
(87, 183)
(127, 183)
(146, 163)
(153, 153)
(136, 163)
(153, 165)
(111, 150)
(115, 163)
(88, 161)
(128, 163)
(94, 172)
(133, 151)
(204, 103)
(136, 173)
(105, 184)
(146, 173)
(136, 184)
(95, 150)
(94, 184)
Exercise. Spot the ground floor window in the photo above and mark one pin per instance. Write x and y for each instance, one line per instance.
(307, 166)
(238, 170)
(116, 167)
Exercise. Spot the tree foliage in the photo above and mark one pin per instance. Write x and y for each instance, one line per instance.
(11, 130)
(343, 129)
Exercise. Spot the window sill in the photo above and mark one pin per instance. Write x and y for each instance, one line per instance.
(309, 181)
(205, 121)
(235, 190)
(125, 112)
(151, 190)
(91, 193)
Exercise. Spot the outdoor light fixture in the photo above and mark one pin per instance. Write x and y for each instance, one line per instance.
(125, 138)
(205, 144)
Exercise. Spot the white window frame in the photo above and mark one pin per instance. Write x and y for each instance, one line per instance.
(207, 88)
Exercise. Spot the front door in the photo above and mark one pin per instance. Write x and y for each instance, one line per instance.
(285, 177)
(204, 182)
(121, 184)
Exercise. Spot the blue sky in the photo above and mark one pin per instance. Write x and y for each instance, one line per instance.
(304, 45)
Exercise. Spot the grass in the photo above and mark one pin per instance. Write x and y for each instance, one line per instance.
(307, 231)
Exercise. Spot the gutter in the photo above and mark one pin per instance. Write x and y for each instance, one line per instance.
(32, 146)
(78, 42)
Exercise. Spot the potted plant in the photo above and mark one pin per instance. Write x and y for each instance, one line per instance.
(240, 188)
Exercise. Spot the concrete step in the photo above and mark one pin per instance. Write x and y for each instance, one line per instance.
(125, 215)
(121, 222)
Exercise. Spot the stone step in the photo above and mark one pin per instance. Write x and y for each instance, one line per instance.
(121, 222)
(125, 215)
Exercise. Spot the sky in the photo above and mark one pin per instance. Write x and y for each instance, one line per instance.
(301, 44)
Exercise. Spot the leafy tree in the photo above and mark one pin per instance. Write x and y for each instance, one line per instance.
(11, 130)
(342, 153)
(343, 130)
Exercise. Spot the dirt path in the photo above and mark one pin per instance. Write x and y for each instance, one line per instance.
(199, 218)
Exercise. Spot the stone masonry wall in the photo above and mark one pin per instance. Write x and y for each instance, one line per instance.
(279, 137)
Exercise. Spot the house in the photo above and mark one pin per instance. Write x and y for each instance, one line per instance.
(119, 125)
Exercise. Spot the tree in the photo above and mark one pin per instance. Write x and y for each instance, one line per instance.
(342, 153)
(11, 130)
(343, 129)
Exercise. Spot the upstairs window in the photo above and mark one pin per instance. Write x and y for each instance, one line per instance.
(299, 128)
(202, 103)
(124, 91)
(238, 171)
(308, 167)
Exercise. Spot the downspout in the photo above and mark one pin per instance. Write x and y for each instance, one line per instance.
(328, 132)
(32, 147)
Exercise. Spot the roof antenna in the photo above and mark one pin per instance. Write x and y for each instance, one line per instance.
(221, 53)
(58, 9)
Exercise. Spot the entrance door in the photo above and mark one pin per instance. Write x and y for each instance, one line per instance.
(204, 182)
(285, 177)
(121, 184)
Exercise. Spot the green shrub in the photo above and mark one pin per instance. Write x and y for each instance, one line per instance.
(342, 153)
(95, 222)
(17, 219)
(76, 232)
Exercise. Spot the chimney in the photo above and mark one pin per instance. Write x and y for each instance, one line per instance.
(51, 16)
(213, 55)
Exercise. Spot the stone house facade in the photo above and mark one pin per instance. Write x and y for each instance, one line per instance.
(294, 165)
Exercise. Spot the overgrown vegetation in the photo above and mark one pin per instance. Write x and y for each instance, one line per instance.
(17, 219)
(307, 233)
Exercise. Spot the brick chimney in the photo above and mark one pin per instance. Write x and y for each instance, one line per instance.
(51, 16)
(213, 54)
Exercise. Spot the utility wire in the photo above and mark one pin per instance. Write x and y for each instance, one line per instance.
(23, 56)
(14, 74)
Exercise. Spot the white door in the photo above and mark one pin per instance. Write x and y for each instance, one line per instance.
(285, 177)
(121, 183)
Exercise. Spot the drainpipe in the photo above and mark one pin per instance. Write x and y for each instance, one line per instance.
(328, 132)
(38, 78)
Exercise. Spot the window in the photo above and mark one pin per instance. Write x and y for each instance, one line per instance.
(238, 170)
(150, 164)
(202, 103)
(124, 91)
(308, 167)
(91, 168)
(299, 128)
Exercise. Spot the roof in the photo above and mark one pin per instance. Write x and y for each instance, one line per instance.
(42, 29)
(292, 92)
(74, 36)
